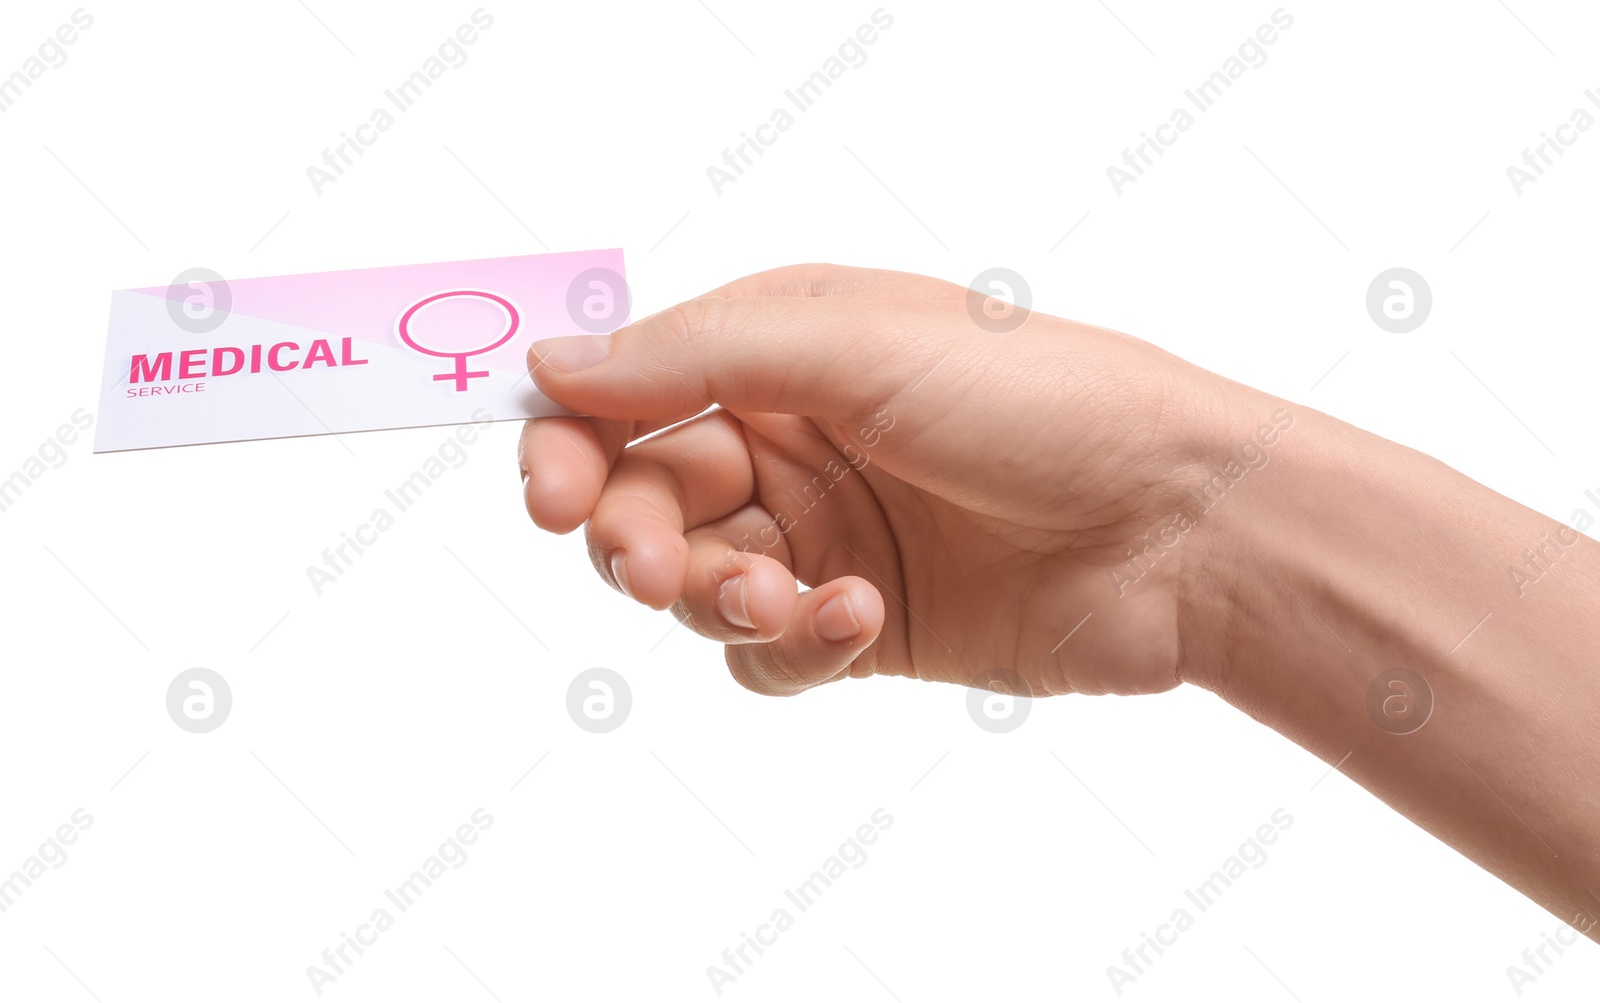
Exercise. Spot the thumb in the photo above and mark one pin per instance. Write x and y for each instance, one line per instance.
(838, 357)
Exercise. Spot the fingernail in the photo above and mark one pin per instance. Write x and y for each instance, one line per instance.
(836, 619)
(619, 571)
(731, 603)
(573, 354)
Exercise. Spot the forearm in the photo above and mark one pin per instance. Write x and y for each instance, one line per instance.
(1347, 556)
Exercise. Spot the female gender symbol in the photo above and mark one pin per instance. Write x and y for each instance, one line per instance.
(461, 374)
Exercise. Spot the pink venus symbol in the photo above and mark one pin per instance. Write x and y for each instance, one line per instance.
(461, 374)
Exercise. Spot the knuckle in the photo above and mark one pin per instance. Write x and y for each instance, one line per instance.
(693, 321)
(785, 673)
(754, 667)
(744, 673)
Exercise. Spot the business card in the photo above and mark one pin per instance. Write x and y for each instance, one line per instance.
(211, 360)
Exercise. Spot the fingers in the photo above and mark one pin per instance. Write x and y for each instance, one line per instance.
(691, 475)
(834, 280)
(779, 643)
(731, 579)
(831, 626)
(735, 596)
(564, 464)
(838, 357)
(670, 520)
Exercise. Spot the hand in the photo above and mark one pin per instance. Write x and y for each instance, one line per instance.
(957, 500)
(962, 501)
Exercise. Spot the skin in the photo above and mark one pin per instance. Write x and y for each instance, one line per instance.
(1092, 515)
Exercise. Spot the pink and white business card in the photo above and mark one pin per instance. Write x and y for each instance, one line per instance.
(209, 360)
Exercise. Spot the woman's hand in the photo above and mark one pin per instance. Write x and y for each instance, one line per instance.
(1064, 509)
(957, 500)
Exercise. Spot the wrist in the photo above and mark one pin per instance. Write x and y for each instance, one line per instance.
(1278, 567)
(1352, 562)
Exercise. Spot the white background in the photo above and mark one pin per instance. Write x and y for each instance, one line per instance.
(370, 722)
